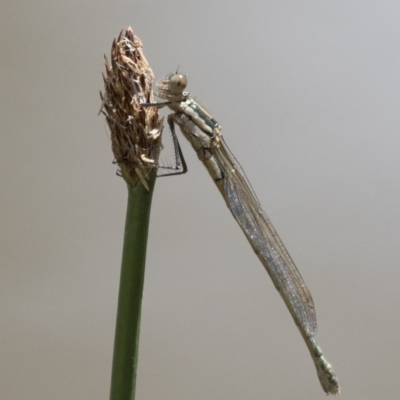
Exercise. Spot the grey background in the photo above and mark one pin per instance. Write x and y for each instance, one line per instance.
(307, 93)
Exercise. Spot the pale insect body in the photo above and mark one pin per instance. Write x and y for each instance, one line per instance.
(204, 133)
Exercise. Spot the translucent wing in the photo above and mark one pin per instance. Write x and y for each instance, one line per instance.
(261, 234)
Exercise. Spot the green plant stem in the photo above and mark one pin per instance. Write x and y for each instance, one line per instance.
(123, 380)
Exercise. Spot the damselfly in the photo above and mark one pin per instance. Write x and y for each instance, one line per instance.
(204, 133)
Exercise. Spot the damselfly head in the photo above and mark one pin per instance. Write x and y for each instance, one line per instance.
(172, 87)
(177, 83)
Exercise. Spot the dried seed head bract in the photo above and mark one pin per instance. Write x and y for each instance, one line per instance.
(135, 130)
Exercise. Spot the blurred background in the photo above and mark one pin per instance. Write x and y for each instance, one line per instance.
(307, 93)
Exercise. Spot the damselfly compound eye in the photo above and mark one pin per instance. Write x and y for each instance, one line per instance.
(177, 83)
